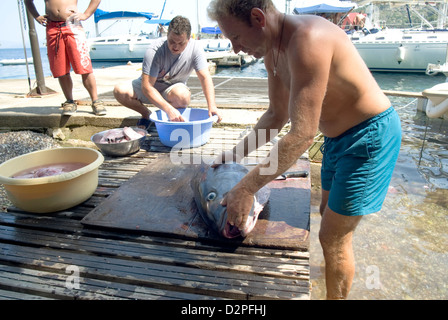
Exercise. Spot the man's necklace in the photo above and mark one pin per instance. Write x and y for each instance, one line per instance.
(278, 53)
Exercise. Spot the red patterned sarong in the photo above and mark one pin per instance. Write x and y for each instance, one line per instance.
(67, 45)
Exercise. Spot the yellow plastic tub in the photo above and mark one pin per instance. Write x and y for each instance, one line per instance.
(53, 193)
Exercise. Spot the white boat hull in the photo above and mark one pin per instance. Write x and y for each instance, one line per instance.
(417, 56)
(124, 49)
(437, 103)
(119, 50)
(399, 51)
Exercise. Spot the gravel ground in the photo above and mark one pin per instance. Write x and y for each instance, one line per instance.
(13, 144)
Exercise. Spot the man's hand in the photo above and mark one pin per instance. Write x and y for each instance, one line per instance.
(239, 203)
(215, 111)
(75, 15)
(42, 20)
(78, 16)
(175, 116)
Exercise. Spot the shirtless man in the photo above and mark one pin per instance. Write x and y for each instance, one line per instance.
(66, 45)
(310, 64)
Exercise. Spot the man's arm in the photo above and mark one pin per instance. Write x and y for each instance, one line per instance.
(308, 82)
(267, 127)
(32, 9)
(93, 5)
(209, 92)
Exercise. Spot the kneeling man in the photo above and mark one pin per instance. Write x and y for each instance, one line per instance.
(167, 65)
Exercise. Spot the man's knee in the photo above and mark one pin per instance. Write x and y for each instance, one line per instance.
(179, 97)
(334, 246)
(118, 90)
(181, 102)
(122, 93)
(336, 230)
(327, 240)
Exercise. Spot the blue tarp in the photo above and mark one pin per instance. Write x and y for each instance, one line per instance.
(211, 30)
(164, 22)
(104, 15)
(329, 7)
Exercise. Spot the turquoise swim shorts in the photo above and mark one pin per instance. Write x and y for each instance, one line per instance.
(357, 166)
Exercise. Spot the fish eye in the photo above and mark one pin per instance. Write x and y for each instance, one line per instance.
(211, 196)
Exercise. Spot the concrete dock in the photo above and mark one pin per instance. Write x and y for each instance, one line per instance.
(17, 111)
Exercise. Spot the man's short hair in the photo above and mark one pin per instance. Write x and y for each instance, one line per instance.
(180, 25)
(240, 9)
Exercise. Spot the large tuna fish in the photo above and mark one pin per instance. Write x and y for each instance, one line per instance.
(211, 185)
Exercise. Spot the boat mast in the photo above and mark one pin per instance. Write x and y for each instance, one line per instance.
(197, 16)
(443, 11)
(287, 6)
(163, 9)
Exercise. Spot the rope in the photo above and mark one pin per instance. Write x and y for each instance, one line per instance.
(23, 13)
(405, 106)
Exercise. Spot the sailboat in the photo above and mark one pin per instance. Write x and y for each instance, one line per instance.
(128, 47)
(387, 49)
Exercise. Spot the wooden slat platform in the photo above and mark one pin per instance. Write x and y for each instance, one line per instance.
(230, 93)
(41, 254)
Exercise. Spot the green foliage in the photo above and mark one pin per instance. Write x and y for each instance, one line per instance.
(397, 16)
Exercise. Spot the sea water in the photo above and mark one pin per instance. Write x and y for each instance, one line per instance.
(21, 71)
(402, 251)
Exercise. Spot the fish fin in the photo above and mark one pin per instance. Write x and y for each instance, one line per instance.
(262, 195)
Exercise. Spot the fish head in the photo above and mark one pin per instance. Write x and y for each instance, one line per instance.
(210, 188)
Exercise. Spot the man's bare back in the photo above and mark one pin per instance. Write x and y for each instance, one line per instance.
(349, 92)
(60, 10)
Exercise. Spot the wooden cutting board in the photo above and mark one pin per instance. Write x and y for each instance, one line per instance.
(159, 200)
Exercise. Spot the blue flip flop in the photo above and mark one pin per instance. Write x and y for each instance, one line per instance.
(144, 123)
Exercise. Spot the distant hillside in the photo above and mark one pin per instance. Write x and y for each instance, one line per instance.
(397, 16)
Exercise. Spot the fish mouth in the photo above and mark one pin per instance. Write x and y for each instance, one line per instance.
(230, 231)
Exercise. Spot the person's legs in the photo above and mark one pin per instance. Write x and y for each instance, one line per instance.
(66, 84)
(69, 107)
(335, 235)
(73, 42)
(356, 171)
(124, 93)
(89, 82)
(58, 60)
(178, 95)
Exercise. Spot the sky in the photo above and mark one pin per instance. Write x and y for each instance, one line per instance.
(11, 36)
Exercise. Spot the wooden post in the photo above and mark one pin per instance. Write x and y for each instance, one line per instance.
(41, 89)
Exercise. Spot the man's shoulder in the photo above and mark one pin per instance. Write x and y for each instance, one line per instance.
(157, 43)
(155, 46)
(196, 44)
(195, 48)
